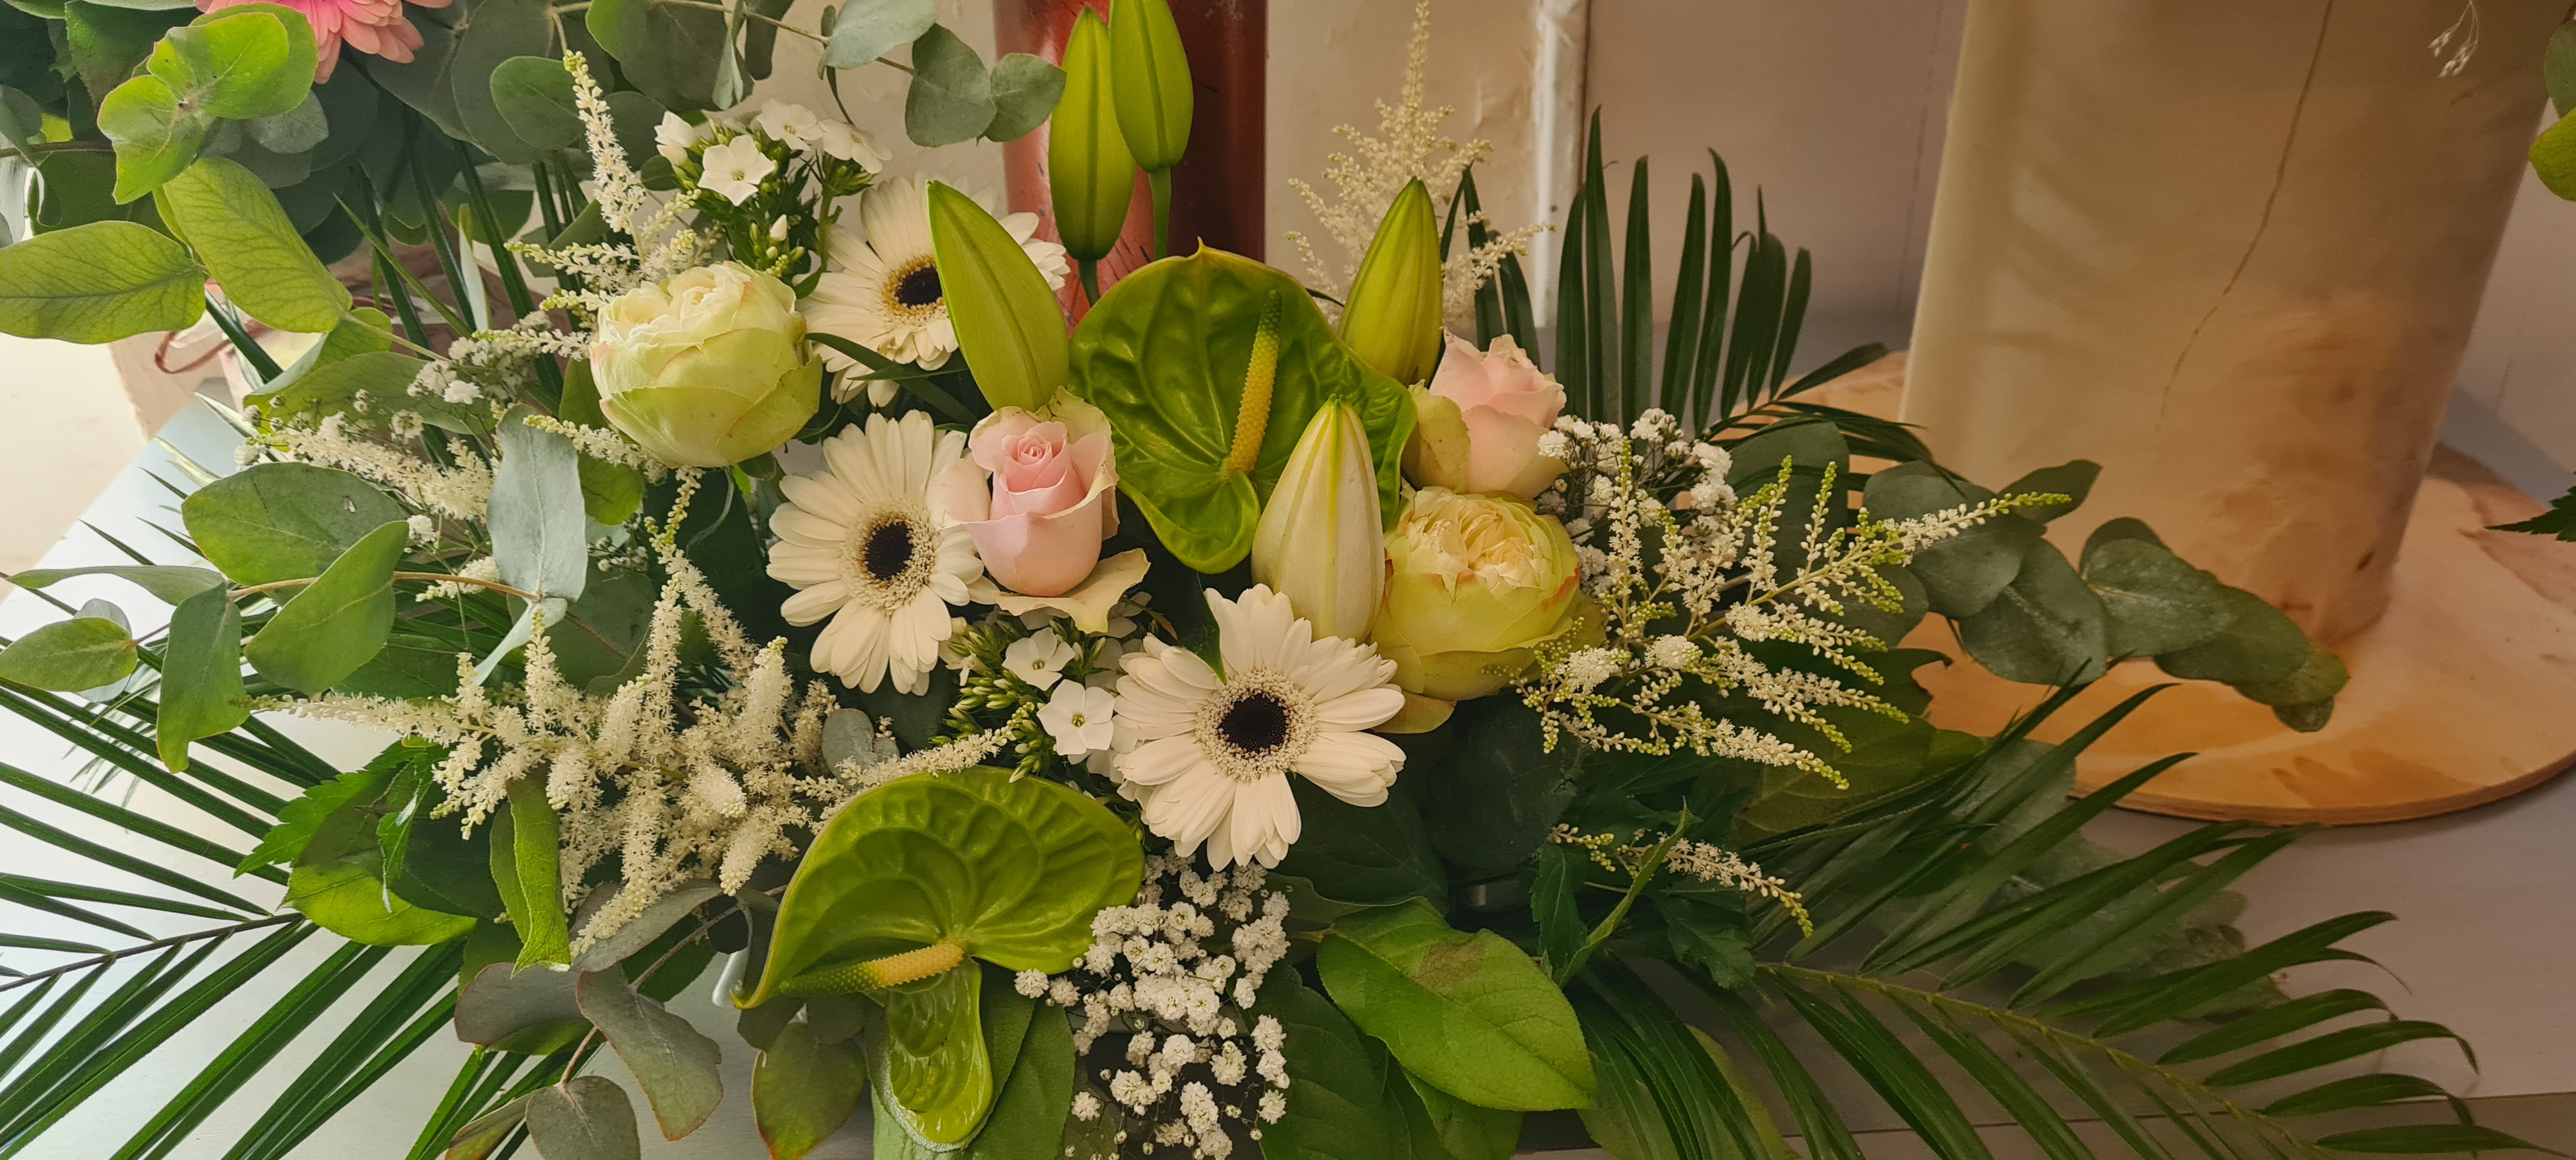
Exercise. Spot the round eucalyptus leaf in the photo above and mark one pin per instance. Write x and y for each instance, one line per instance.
(2045, 628)
(2259, 645)
(951, 96)
(68, 656)
(283, 521)
(535, 96)
(1010, 871)
(155, 138)
(337, 623)
(493, 34)
(868, 29)
(1025, 92)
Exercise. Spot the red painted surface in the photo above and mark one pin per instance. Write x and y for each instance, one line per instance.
(1217, 189)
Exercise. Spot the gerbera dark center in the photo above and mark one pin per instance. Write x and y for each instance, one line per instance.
(918, 288)
(1256, 724)
(889, 551)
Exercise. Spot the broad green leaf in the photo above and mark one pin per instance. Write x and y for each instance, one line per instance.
(1008, 324)
(283, 521)
(1367, 855)
(670, 52)
(1965, 573)
(587, 1117)
(155, 138)
(1341, 1105)
(536, 513)
(2259, 644)
(935, 1071)
(268, 89)
(483, 1136)
(803, 1090)
(408, 666)
(169, 583)
(1025, 92)
(1010, 871)
(534, 95)
(336, 883)
(1470, 1014)
(1465, 1131)
(951, 96)
(2073, 480)
(527, 859)
(611, 493)
(98, 283)
(1090, 175)
(201, 681)
(70, 655)
(234, 65)
(2156, 603)
(1494, 799)
(867, 29)
(234, 224)
(2553, 157)
(493, 34)
(500, 1001)
(384, 378)
(337, 623)
(2045, 628)
(2318, 679)
(1166, 355)
(674, 1064)
(1151, 74)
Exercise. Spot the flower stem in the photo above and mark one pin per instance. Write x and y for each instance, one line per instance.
(1160, 182)
(156, 944)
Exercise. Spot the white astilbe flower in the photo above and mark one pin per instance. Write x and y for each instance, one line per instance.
(1409, 147)
(1699, 860)
(1677, 618)
(1153, 994)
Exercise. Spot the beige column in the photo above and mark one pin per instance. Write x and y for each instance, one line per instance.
(2231, 250)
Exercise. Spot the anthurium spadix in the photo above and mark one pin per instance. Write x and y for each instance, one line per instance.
(1008, 324)
(1392, 319)
(1090, 174)
(1319, 542)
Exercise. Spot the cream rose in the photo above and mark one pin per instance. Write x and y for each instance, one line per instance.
(707, 369)
(1479, 421)
(1036, 493)
(1475, 584)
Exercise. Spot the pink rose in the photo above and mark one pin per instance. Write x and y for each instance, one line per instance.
(1478, 423)
(1035, 493)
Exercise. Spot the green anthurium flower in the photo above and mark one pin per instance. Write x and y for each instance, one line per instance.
(1393, 316)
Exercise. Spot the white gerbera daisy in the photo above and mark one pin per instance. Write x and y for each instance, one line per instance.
(1212, 752)
(868, 549)
(882, 288)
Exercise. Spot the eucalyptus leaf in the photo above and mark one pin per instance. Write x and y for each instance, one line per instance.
(2073, 480)
(2045, 628)
(867, 29)
(951, 96)
(538, 537)
(1009, 870)
(669, 52)
(1165, 356)
(803, 1090)
(1966, 572)
(494, 33)
(1025, 92)
(1469, 1013)
(482, 1136)
(534, 96)
(2156, 602)
(168, 582)
(70, 655)
(156, 138)
(2319, 678)
(234, 224)
(201, 681)
(674, 1064)
(2259, 645)
(501, 1001)
(335, 624)
(98, 283)
(293, 131)
(283, 521)
(643, 929)
(587, 1117)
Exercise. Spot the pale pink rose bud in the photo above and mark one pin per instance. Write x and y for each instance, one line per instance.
(1478, 423)
(1036, 494)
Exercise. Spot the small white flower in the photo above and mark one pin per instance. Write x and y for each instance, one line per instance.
(778, 229)
(794, 124)
(424, 530)
(735, 169)
(843, 142)
(1080, 719)
(674, 137)
(1039, 658)
(1672, 652)
(1274, 1104)
(1030, 983)
(1587, 669)
(1086, 1107)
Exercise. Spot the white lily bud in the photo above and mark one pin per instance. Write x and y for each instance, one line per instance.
(1319, 542)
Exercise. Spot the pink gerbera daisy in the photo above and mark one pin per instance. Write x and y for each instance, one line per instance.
(374, 27)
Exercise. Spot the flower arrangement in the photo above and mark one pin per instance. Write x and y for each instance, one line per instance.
(1221, 727)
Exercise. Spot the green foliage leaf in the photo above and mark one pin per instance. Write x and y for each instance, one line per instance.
(1009, 870)
(84, 652)
(1965, 573)
(1165, 354)
(2259, 644)
(585, 1118)
(1150, 72)
(867, 29)
(2558, 69)
(98, 283)
(293, 131)
(2559, 520)
(538, 537)
(1025, 92)
(235, 64)
(1341, 1103)
(337, 623)
(1007, 321)
(671, 1061)
(935, 1070)
(492, 34)
(1037, 1076)
(201, 682)
(1470, 1014)
(155, 138)
(803, 1090)
(2072, 479)
(1370, 855)
(2553, 157)
(2045, 628)
(2156, 603)
(167, 582)
(283, 521)
(337, 883)
(1495, 796)
(534, 96)
(951, 96)
(526, 869)
(1462, 1130)
(2317, 680)
(500, 1001)
(233, 222)
(383, 376)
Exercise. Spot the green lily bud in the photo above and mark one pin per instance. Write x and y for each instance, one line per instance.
(1008, 324)
(707, 369)
(1151, 76)
(1090, 174)
(1392, 319)
(1318, 542)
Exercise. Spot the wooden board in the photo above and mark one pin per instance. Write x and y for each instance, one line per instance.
(2462, 693)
